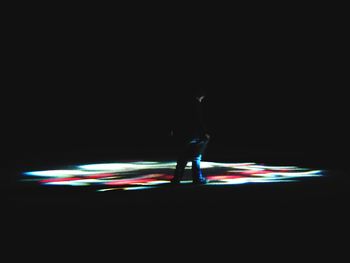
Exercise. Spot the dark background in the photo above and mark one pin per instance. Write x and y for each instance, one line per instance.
(85, 81)
(81, 82)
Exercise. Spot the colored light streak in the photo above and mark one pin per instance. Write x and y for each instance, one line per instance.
(139, 175)
(132, 166)
(59, 173)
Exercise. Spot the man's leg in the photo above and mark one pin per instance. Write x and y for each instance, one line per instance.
(197, 175)
(180, 168)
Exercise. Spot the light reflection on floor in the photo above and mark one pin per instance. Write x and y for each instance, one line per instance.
(138, 175)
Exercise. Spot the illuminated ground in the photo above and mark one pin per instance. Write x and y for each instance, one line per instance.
(103, 203)
(141, 175)
(86, 182)
(85, 179)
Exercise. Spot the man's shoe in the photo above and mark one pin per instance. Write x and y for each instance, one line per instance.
(175, 182)
(201, 181)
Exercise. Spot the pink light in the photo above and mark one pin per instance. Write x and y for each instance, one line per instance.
(256, 172)
(165, 177)
(223, 177)
(98, 176)
(130, 181)
(143, 180)
(56, 180)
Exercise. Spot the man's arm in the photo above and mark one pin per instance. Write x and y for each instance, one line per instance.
(201, 121)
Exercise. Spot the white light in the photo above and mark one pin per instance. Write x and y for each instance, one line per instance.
(138, 188)
(123, 167)
(216, 164)
(58, 173)
(275, 167)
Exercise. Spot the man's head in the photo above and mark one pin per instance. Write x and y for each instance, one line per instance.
(200, 94)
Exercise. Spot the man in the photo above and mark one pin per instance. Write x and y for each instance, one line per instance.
(196, 138)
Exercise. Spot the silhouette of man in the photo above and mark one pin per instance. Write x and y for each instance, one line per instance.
(195, 137)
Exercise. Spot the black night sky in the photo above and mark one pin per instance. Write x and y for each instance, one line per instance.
(271, 86)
